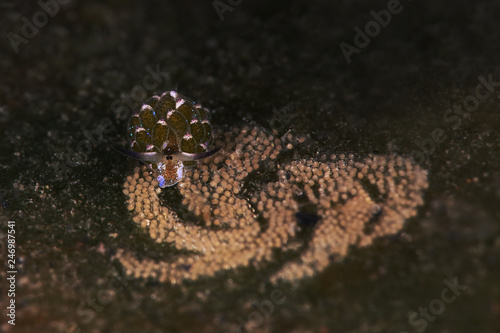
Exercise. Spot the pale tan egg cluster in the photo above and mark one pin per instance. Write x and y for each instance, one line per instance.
(234, 223)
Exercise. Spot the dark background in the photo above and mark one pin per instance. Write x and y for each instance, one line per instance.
(264, 56)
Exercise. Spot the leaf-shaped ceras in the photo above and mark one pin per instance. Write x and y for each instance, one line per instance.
(169, 133)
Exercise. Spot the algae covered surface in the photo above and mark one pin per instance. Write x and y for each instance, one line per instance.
(423, 85)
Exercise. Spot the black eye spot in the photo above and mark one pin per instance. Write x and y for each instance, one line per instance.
(169, 157)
